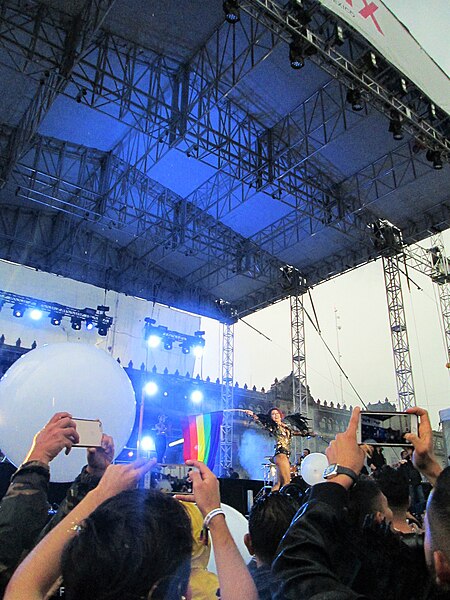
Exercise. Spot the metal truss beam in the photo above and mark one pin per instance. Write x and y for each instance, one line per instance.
(156, 222)
(97, 316)
(351, 218)
(75, 41)
(51, 242)
(399, 334)
(434, 262)
(152, 219)
(300, 391)
(283, 21)
(170, 105)
(226, 398)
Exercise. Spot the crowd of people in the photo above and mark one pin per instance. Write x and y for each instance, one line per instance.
(351, 537)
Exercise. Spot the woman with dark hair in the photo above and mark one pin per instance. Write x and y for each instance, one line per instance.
(282, 429)
(161, 437)
(118, 543)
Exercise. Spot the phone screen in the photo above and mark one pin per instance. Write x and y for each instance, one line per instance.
(90, 432)
(386, 429)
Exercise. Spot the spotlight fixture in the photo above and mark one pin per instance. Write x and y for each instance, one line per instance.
(432, 112)
(354, 98)
(103, 321)
(395, 126)
(168, 345)
(150, 388)
(89, 324)
(296, 55)
(75, 323)
(18, 310)
(153, 340)
(35, 314)
(198, 344)
(370, 62)
(197, 396)
(56, 317)
(185, 347)
(338, 37)
(147, 443)
(435, 157)
(231, 10)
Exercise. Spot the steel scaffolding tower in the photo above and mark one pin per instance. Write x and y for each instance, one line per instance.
(399, 334)
(441, 276)
(299, 385)
(226, 397)
(300, 392)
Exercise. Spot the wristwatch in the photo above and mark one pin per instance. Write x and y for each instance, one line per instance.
(334, 470)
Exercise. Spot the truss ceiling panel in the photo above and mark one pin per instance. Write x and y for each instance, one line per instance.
(159, 151)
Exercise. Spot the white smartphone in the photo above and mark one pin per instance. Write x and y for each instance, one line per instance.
(386, 428)
(90, 432)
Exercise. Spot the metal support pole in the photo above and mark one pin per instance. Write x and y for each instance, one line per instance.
(441, 276)
(300, 393)
(399, 335)
(226, 398)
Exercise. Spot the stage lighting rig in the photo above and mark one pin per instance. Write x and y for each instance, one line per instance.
(157, 335)
(35, 308)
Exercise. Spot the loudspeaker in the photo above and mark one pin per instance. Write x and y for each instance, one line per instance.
(239, 493)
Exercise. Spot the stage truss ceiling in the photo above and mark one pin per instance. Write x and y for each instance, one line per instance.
(154, 149)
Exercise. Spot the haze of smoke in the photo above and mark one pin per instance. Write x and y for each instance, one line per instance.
(254, 447)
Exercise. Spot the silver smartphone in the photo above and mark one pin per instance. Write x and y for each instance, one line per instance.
(90, 432)
(386, 428)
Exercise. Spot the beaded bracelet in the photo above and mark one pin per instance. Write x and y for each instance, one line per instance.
(210, 516)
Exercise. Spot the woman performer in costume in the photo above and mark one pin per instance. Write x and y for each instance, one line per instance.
(282, 432)
(161, 438)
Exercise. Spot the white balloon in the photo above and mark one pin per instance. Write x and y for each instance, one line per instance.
(78, 378)
(313, 467)
(238, 526)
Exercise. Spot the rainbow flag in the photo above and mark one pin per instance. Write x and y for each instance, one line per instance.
(201, 437)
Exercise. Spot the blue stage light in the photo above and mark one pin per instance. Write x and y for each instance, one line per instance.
(151, 388)
(147, 443)
(35, 314)
(153, 341)
(89, 324)
(197, 396)
(18, 310)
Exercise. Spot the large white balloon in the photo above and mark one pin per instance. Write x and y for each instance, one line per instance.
(313, 467)
(238, 526)
(78, 378)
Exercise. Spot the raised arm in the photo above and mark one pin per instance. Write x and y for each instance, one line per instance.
(24, 509)
(234, 578)
(423, 456)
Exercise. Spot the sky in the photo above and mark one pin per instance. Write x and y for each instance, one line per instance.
(352, 309)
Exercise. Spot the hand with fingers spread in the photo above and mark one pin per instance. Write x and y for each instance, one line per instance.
(118, 478)
(99, 459)
(60, 432)
(345, 452)
(205, 487)
(423, 456)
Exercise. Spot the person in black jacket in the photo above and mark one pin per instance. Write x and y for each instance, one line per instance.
(321, 558)
(24, 508)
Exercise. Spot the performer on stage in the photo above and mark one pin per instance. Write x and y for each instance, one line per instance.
(161, 437)
(282, 429)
